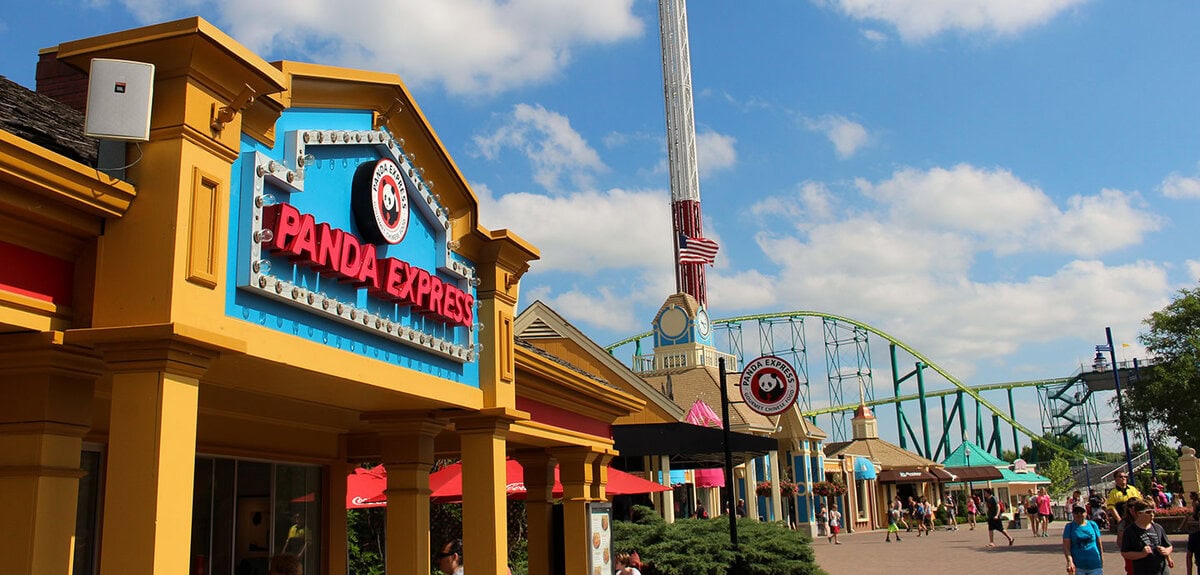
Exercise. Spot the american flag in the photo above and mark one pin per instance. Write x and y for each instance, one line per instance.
(696, 250)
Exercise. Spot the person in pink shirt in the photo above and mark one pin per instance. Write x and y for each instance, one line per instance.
(1043, 507)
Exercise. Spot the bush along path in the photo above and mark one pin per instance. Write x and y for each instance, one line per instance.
(701, 546)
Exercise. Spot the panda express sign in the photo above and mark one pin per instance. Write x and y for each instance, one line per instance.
(339, 254)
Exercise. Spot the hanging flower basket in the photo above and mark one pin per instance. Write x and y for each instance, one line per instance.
(828, 489)
(763, 489)
(787, 489)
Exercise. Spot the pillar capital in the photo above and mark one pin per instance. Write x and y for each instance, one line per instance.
(407, 437)
(174, 348)
(494, 421)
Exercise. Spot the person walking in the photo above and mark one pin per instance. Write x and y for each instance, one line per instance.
(1043, 511)
(894, 520)
(1118, 496)
(951, 505)
(972, 510)
(1082, 544)
(930, 510)
(835, 525)
(903, 523)
(1145, 542)
(995, 523)
(919, 516)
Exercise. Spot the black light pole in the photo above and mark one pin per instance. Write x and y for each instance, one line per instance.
(1112, 354)
(967, 452)
(729, 504)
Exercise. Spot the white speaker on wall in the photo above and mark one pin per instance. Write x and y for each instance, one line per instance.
(120, 94)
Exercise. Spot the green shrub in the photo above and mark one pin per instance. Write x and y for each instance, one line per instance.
(702, 547)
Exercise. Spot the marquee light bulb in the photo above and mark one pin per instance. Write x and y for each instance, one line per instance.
(263, 236)
(262, 266)
(265, 200)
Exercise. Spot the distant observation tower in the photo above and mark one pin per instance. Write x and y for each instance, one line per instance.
(692, 250)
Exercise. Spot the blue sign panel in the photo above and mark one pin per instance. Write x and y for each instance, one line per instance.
(339, 238)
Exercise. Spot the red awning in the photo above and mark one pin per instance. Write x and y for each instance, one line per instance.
(898, 476)
(364, 488)
(983, 473)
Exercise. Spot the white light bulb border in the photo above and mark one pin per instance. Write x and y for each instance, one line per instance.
(262, 282)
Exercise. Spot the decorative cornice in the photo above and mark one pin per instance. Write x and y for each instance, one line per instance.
(61, 179)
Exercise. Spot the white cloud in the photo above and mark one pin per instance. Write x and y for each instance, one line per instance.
(715, 152)
(467, 46)
(1007, 215)
(1180, 187)
(846, 135)
(918, 20)
(586, 232)
(550, 144)
(875, 36)
(1193, 270)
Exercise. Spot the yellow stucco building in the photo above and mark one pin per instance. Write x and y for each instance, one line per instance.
(288, 278)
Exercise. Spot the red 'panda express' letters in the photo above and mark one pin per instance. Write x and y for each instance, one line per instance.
(338, 254)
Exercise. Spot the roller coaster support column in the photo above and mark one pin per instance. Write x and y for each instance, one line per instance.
(962, 416)
(979, 425)
(1112, 355)
(896, 379)
(924, 409)
(1012, 414)
(944, 444)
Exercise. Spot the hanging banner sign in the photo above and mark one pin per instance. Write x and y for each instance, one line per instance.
(769, 385)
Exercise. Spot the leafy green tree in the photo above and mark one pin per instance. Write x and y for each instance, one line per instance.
(1167, 394)
(1058, 471)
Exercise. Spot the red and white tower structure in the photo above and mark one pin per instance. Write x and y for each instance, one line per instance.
(692, 250)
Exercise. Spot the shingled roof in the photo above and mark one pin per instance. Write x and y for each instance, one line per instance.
(888, 455)
(45, 122)
(692, 383)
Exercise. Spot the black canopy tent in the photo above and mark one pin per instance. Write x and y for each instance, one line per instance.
(689, 446)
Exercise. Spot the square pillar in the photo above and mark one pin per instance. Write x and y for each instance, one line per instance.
(752, 509)
(485, 505)
(538, 469)
(147, 525)
(668, 496)
(776, 496)
(406, 447)
(575, 471)
(335, 543)
(47, 390)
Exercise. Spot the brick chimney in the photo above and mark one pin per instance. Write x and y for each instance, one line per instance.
(60, 81)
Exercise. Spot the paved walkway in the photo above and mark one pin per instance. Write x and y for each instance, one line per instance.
(964, 552)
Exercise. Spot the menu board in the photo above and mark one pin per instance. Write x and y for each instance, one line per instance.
(600, 541)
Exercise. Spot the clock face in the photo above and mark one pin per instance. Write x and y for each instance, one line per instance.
(702, 323)
(673, 322)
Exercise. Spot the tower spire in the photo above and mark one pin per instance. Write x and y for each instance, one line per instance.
(692, 250)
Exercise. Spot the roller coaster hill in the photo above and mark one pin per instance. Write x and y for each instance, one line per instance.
(1069, 407)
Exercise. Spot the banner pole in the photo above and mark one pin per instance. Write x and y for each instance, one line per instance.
(730, 488)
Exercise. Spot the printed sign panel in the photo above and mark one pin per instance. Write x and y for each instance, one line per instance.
(769, 385)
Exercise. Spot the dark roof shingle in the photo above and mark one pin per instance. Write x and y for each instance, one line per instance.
(45, 122)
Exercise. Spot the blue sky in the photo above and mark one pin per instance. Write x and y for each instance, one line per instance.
(991, 182)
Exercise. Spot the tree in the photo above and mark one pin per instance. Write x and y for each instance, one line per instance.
(1058, 471)
(1167, 394)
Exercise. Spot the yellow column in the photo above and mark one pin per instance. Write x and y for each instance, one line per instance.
(335, 510)
(47, 390)
(575, 472)
(538, 469)
(600, 476)
(485, 510)
(406, 443)
(151, 456)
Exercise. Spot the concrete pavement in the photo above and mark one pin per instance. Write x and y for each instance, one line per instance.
(964, 552)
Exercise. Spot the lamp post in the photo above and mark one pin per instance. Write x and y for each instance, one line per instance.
(1117, 382)
(967, 452)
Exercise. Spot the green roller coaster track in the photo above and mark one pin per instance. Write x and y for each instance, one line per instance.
(974, 392)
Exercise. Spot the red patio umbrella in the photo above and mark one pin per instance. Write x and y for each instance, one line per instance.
(364, 488)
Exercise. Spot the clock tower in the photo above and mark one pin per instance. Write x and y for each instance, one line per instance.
(681, 328)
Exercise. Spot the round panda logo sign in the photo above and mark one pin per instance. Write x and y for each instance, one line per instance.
(380, 201)
(769, 385)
